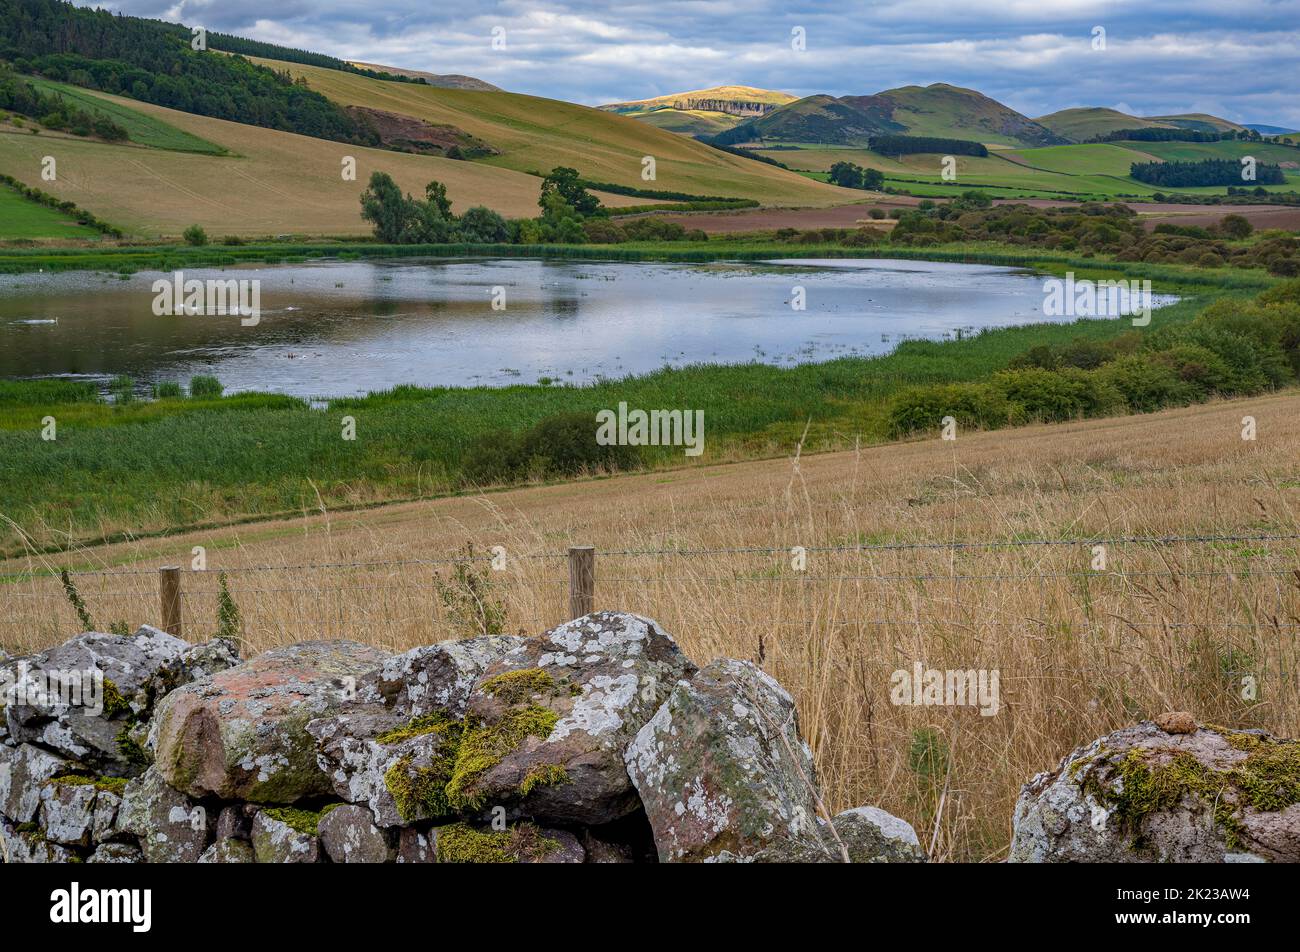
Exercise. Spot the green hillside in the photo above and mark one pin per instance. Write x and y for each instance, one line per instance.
(143, 129)
(937, 110)
(1084, 124)
(23, 218)
(1198, 122)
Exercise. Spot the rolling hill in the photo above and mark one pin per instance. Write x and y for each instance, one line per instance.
(937, 110)
(535, 135)
(1199, 122)
(703, 112)
(1086, 123)
(441, 80)
(265, 183)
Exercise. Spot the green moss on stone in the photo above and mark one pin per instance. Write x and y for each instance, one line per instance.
(512, 687)
(437, 722)
(484, 745)
(543, 775)
(114, 702)
(1267, 780)
(422, 791)
(303, 821)
(461, 843)
(130, 749)
(112, 784)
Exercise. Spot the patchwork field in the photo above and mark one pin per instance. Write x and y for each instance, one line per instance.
(1090, 171)
(536, 135)
(269, 183)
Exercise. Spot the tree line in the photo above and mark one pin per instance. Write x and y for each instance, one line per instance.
(1204, 172)
(911, 145)
(53, 111)
(153, 62)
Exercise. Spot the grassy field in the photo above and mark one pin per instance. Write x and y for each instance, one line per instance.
(1088, 171)
(536, 135)
(143, 129)
(22, 218)
(271, 183)
(153, 466)
(1079, 652)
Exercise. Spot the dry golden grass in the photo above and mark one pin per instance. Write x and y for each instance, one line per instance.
(534, 134)
(1171, 627)
(272, 182)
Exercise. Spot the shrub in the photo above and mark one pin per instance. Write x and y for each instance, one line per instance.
(561, 445)
(602, 231)
(1055, 395)
(480, 225)
(876, 213)
(970, 404)
(1145, 384)
(232, 240)
(1236, 226)
(167, 389)
(204, 387)
(195, 235)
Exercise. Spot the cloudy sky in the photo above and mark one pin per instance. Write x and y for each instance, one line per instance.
(1235, 59)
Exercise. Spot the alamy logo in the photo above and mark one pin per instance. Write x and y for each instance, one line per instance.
(74, 905)
(934, 688)
(211, 298)
(1085, 298)
(22, 687)
(652, 428)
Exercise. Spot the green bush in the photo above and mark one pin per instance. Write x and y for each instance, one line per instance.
(970, 404)
(1144, 384)
(195, 235)
(561, 445)
(167, 389)
(1055, 395)
(204, 387)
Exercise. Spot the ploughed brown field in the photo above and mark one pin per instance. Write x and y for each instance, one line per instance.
(1079, 650)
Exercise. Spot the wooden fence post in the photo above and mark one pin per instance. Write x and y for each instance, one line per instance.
(582, 580)
(169, 593)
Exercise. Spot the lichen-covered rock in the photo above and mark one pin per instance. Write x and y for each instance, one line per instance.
(68, 812)
(168, 825)
(228, 850)
(79, 697)
(23, 772)
(1143, 794)
(872, 835)
(434, 678)
(547, 724)
(116, 853)
(103, 827)
(398, 769)
(415, 846)
(241, 733)
(279, 838)
(724, 775)
(349, 835)
(26, 843)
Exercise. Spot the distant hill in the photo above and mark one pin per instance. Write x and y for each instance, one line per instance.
(1086, 123)
(1199, 121)
(937, 110)
(703, 112)
(442, 81)
(1266, 130)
